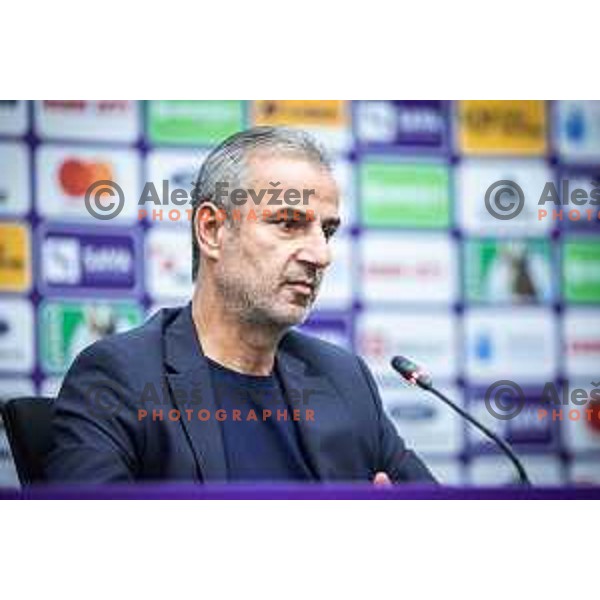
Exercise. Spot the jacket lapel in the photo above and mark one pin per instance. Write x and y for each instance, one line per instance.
(329, 440)
(188, 373)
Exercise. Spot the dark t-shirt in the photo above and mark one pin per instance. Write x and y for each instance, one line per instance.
(268, 447)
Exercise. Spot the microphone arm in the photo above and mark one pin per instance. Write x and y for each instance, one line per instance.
(417, 376)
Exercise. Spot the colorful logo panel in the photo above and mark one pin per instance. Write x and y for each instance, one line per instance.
(509, 271)
(194, 122)
(581, 270)
(578, 204)
(502, 127)
(396, 194)
(103, 120)
(89, 260)
(417, 268)
(402, 124)
(581, 334)
(581, 423)
(66, 328)
(423, 421)
(578, 130)
(15, 258)
(509, 344)
(65, 173)
(327, 120)
(168, 261)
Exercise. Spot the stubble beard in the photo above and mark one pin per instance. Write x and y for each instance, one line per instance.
(258, 302)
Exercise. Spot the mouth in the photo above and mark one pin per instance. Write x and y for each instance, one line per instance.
(303, 287)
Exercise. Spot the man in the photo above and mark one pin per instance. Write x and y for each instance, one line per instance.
(223, 389)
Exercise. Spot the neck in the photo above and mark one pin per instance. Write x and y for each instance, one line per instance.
(225, 338)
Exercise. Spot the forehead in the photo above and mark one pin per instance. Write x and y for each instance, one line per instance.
(267, 171)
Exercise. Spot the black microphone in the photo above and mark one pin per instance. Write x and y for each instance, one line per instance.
(417, 376)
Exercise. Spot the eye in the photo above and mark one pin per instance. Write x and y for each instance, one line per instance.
(288, 224)
(329, 232)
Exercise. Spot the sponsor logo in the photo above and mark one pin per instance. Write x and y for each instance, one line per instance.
(405, 195)
(66, 328)
(422, 421)
(502, 127)
(203, 122)
(327, 120)
(581, 270)
(410, 268)
(402, 123)
(520, 344)
(90, 260)
(508, 271)
(168, 264)
(106, 120)
(578, 130)
(15, 258)
(67, 178)
(581, 432)
(581, 335)
(76, 175)
(328, 113)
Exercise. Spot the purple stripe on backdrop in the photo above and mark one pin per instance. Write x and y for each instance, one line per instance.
(176, 491)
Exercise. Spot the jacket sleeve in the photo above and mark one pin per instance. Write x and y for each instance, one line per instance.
(400, 463)
(94, 423)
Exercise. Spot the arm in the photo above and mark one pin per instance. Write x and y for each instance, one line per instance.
(94, 422)
(395, 459)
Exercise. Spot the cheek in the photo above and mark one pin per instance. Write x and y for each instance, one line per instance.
(261, 251)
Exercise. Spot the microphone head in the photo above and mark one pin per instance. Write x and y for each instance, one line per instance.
(411, 372)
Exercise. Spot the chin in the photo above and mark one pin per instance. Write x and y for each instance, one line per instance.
(290, 318)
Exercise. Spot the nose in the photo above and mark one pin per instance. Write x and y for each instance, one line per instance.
(315, 250)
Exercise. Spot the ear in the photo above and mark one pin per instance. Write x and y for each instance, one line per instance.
(209, 228)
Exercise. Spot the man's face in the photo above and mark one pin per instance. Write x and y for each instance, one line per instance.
(270, 268)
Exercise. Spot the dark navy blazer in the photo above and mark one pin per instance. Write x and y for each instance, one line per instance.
(101, 434)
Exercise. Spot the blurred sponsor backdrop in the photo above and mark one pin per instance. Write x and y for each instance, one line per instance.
(421, 267)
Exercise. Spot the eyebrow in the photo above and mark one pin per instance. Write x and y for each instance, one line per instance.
(333, 222)
(302, 217)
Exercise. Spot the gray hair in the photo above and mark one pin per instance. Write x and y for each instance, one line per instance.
(227, 163)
